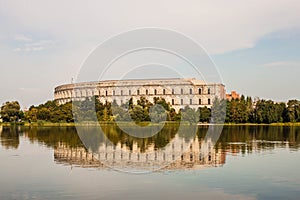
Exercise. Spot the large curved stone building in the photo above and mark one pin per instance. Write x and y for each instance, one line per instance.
(178, 92)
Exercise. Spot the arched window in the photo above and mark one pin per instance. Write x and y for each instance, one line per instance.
(138, 92)
(199, 90)
(172, 91)
(114, 92)
(191, 101)
(208, 101)
(121, 92)
(173, 102)
(129, 92)
(155, 92)
(146, 92)
(106, 93)
(181, 101)
(199, 101)
(191, 91)
(164, 91)
(181, 91)
(208, 91)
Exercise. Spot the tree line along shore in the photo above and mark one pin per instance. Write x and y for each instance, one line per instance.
(236, 111)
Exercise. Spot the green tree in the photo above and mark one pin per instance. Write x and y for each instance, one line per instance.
(173, 116)
(218, 111)
(10, 112)
(205, 114)
(190, 115)
(292, 112)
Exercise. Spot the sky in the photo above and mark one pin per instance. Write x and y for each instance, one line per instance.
(254, 44)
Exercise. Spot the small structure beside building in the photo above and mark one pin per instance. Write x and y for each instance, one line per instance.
(232, 95)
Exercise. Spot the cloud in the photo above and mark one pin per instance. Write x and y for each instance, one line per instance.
(22, 38)
(285, 64)
(33, 45)
(76, 27)
(28, 49)
(219, 26)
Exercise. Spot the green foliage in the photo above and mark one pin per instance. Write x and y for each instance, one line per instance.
(268, 112)
(261, 111)
(205, 114)
(190, 115)
(242, 110)
(292, 111)
(173, 116)
(239, 110)
(50, 111)
(10, 112)
(218, 111)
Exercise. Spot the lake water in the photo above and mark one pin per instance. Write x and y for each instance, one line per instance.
(247, 162)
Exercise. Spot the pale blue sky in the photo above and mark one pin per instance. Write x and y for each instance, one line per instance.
(254, 44)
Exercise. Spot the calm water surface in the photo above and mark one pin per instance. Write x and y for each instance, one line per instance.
(248, 162)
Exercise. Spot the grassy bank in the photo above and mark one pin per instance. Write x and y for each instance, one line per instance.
(272, 124)
(48, 124)
(169, 123)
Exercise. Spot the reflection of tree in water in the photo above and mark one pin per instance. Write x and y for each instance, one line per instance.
(93, 137)
(51, 136)
(246, 139)
(159, 140)
(238, 138)
(10, 137)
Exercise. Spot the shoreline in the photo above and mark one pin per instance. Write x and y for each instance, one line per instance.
(72, 124)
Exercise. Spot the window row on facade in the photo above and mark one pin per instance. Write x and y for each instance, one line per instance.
(191, 102)
(177, 101)
(89, 93)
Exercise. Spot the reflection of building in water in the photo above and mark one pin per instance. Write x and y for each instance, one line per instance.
(77, 156)
(179, 154)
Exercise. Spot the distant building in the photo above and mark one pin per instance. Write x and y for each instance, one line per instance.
(178, 92)
(232, 95)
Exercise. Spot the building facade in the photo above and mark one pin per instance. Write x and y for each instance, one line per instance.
(176, 91)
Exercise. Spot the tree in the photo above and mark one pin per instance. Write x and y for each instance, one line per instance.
(266, 111)
(10, 112)
(173, 116)
(292, 112)
(218, 111)
(138, 114)
(205, 114)
(31, 114)
(190, 115)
